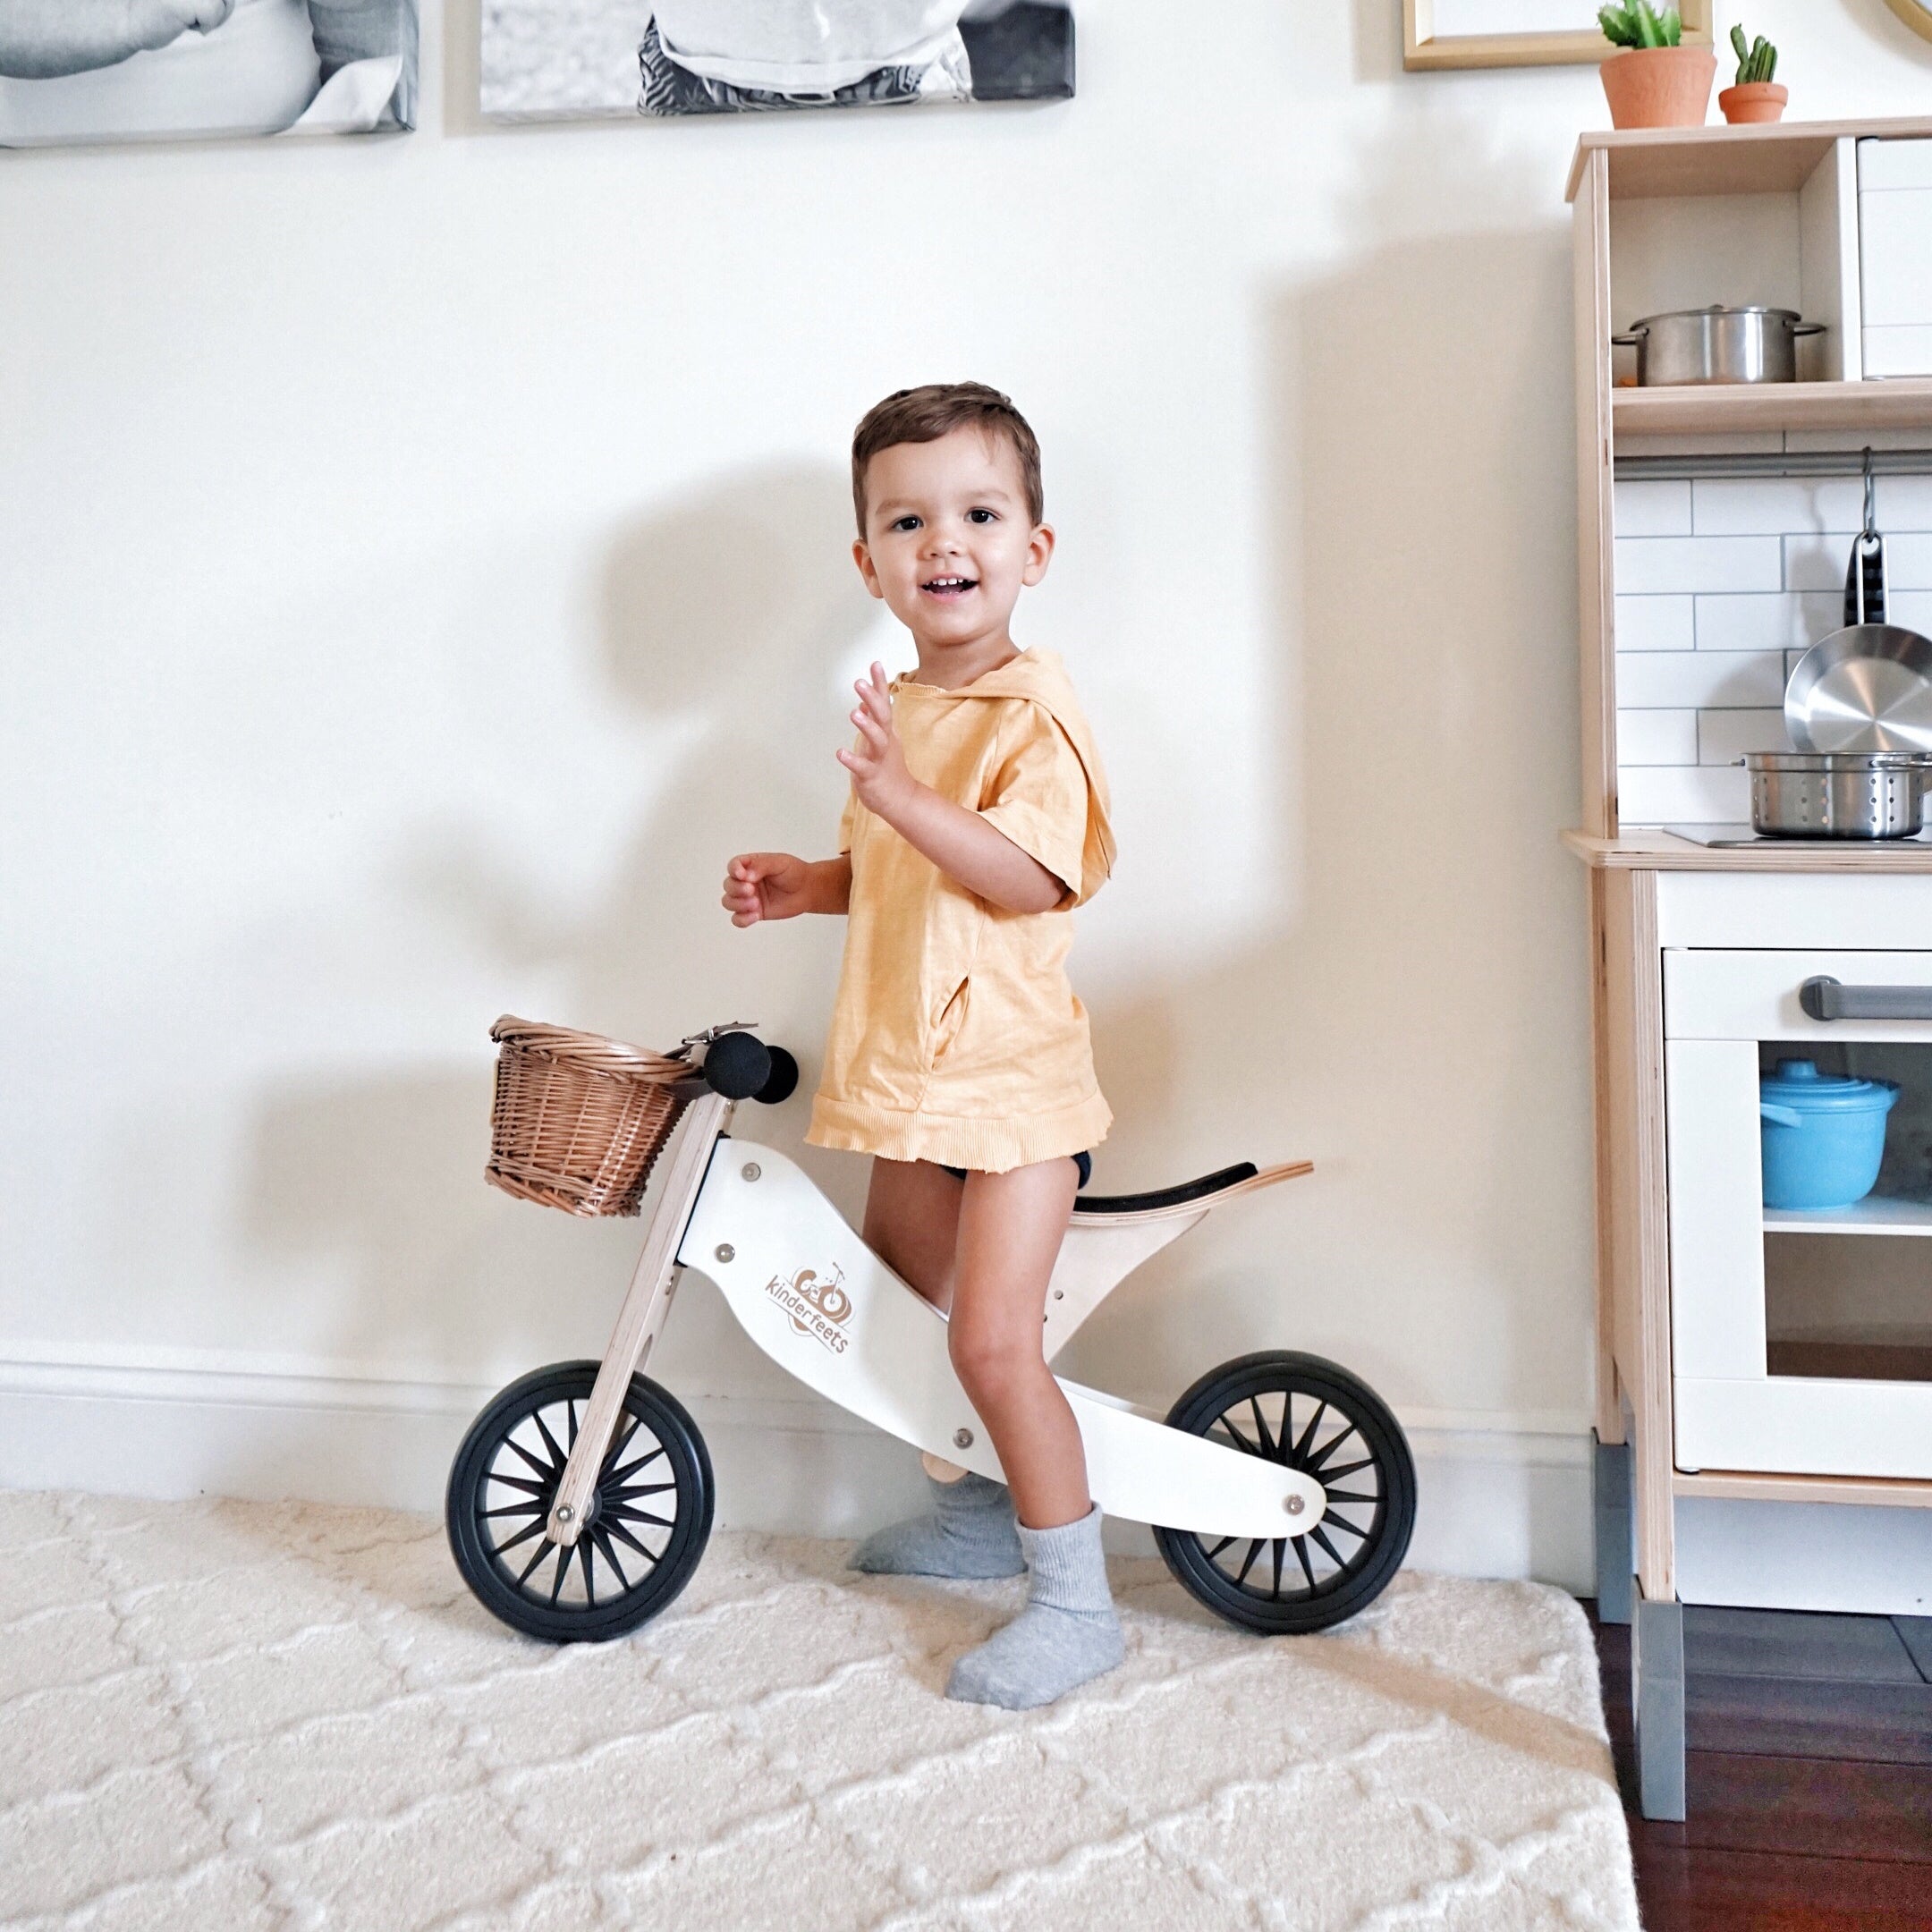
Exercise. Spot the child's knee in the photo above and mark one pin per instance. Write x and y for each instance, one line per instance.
(988, 1356)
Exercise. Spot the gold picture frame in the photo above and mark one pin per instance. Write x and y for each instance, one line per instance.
(1917, 14)
(1424, 49)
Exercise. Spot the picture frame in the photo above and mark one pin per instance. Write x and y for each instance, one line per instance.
(1424, 50)
(1917, 14)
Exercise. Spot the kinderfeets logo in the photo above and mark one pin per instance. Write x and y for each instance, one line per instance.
(817, 1305)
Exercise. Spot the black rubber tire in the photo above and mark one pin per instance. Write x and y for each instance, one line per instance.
(1346, 1580)
(783, 1081)
(565, 1601)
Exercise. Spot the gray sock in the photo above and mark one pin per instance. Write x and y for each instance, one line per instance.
(970, 1533)
(1067, 1633)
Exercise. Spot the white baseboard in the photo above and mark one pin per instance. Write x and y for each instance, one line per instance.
(1501, 1496)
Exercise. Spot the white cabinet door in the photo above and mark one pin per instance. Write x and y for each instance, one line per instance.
(1730, 1412)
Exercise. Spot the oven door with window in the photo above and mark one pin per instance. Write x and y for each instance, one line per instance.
(1801, 1340)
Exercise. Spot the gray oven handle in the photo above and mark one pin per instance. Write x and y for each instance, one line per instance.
(1824, 998)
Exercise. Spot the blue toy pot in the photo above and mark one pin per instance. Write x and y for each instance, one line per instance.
(1824, 1139)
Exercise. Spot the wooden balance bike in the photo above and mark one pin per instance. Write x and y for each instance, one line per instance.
(1280, 1487)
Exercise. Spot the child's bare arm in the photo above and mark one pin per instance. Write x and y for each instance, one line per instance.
(959, 842)
(42, 38)
(769, 886)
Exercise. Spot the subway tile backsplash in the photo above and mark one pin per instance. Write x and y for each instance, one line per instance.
(1722, 585)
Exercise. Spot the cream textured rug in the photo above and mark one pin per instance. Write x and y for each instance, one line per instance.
(222, 1714)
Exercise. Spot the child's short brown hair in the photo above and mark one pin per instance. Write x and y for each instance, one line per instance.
(934, 409)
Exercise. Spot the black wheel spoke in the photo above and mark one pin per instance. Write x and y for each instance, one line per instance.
(1347, 1469)
(519, 1482)
(523, 1575)
(583, 1558)
(542, 1468)
(1262, 1427)
(534, 1508)
(638, 1489)
(1218, 1547)
(1307, 1435)
(631, 1469)
(1248, 1562)
(623, 1512)
(1334, 1555)
(523, 1536)
(572, 1410)
(609, 1552)
(565, 1551)
(558, 1456)
(1314, 1466)
(1279, 1552)
(1348, 1495)
(1307, 1568)
(1342, 1522)
(624, 1536)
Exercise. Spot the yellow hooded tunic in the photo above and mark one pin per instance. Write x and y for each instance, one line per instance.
(956, 1038)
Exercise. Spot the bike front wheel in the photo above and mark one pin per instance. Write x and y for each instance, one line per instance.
(646, 1527)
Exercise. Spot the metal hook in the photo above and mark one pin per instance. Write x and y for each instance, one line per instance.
(1871, 498)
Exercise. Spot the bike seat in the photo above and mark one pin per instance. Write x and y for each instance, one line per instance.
(1188, 1192)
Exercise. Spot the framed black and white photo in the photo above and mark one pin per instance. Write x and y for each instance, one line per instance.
(76, 70)
(546, 58)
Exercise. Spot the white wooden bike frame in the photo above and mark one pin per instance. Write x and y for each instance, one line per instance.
(806, 1288)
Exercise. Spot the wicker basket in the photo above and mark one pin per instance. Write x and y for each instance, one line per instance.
(578, 1120)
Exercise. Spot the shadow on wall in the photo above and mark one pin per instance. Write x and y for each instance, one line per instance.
(734, 614)
(1417, 1023)
(1412, 1013)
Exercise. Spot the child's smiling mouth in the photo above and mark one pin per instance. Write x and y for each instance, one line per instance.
(949, 587)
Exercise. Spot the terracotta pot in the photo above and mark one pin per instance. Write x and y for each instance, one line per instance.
(1659, 86)
(1755, 100)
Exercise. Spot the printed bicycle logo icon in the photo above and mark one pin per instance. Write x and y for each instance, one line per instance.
(816, 1305)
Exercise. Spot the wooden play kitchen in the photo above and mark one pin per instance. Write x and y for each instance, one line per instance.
(1750, 988)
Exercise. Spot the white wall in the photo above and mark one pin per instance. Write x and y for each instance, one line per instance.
(421, 565)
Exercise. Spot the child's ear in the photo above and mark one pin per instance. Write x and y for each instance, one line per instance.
(862, 557)
(1039, 554)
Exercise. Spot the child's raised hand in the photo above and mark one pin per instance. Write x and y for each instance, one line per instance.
(764, 885)
(877, 762)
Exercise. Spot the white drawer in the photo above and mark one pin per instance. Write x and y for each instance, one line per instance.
(1754, 995)
(1895, 256)
(1898, 351)
(1895, 163)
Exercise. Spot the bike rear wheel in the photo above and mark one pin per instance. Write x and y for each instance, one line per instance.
(646, 1526)
(1310, 1415)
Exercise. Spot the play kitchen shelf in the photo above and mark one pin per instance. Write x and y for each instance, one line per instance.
(1745, 1353)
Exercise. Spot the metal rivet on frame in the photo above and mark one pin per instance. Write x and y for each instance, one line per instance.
(1293, 1505)
(963, 1438)
(725, 1252)
(752, 1170)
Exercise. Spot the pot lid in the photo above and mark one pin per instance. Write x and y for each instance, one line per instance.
(1716, 309)
(1798, 1083)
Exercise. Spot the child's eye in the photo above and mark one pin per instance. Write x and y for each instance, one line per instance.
(905, 523)
(982, 516)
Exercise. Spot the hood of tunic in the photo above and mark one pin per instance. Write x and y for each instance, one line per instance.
(1039, 677)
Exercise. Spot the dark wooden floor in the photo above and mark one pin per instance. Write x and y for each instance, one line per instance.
(1810, 1776)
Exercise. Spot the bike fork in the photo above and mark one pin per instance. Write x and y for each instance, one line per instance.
(641, 1318)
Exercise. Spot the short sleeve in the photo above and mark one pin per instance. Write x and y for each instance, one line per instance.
(1039, 798)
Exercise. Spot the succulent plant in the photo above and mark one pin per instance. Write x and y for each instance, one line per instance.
(1756, 61)
(1640, 25)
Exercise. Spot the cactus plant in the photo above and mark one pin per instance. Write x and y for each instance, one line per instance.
(1638, 24)
(1757, 62)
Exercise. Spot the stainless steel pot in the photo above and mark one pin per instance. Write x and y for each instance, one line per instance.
(1717, 345)
(1838, 794)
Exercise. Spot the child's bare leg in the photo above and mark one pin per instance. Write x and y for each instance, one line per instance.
(911, 1223)
(1009, 1230)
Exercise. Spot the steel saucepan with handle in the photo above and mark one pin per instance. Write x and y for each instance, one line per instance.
(1718, 345)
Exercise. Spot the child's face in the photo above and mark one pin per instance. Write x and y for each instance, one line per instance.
(949, 542)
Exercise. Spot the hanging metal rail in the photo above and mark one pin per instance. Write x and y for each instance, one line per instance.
(1776, 463)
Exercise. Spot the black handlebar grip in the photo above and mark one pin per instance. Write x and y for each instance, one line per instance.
(737, 1065)
(783, 1081)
